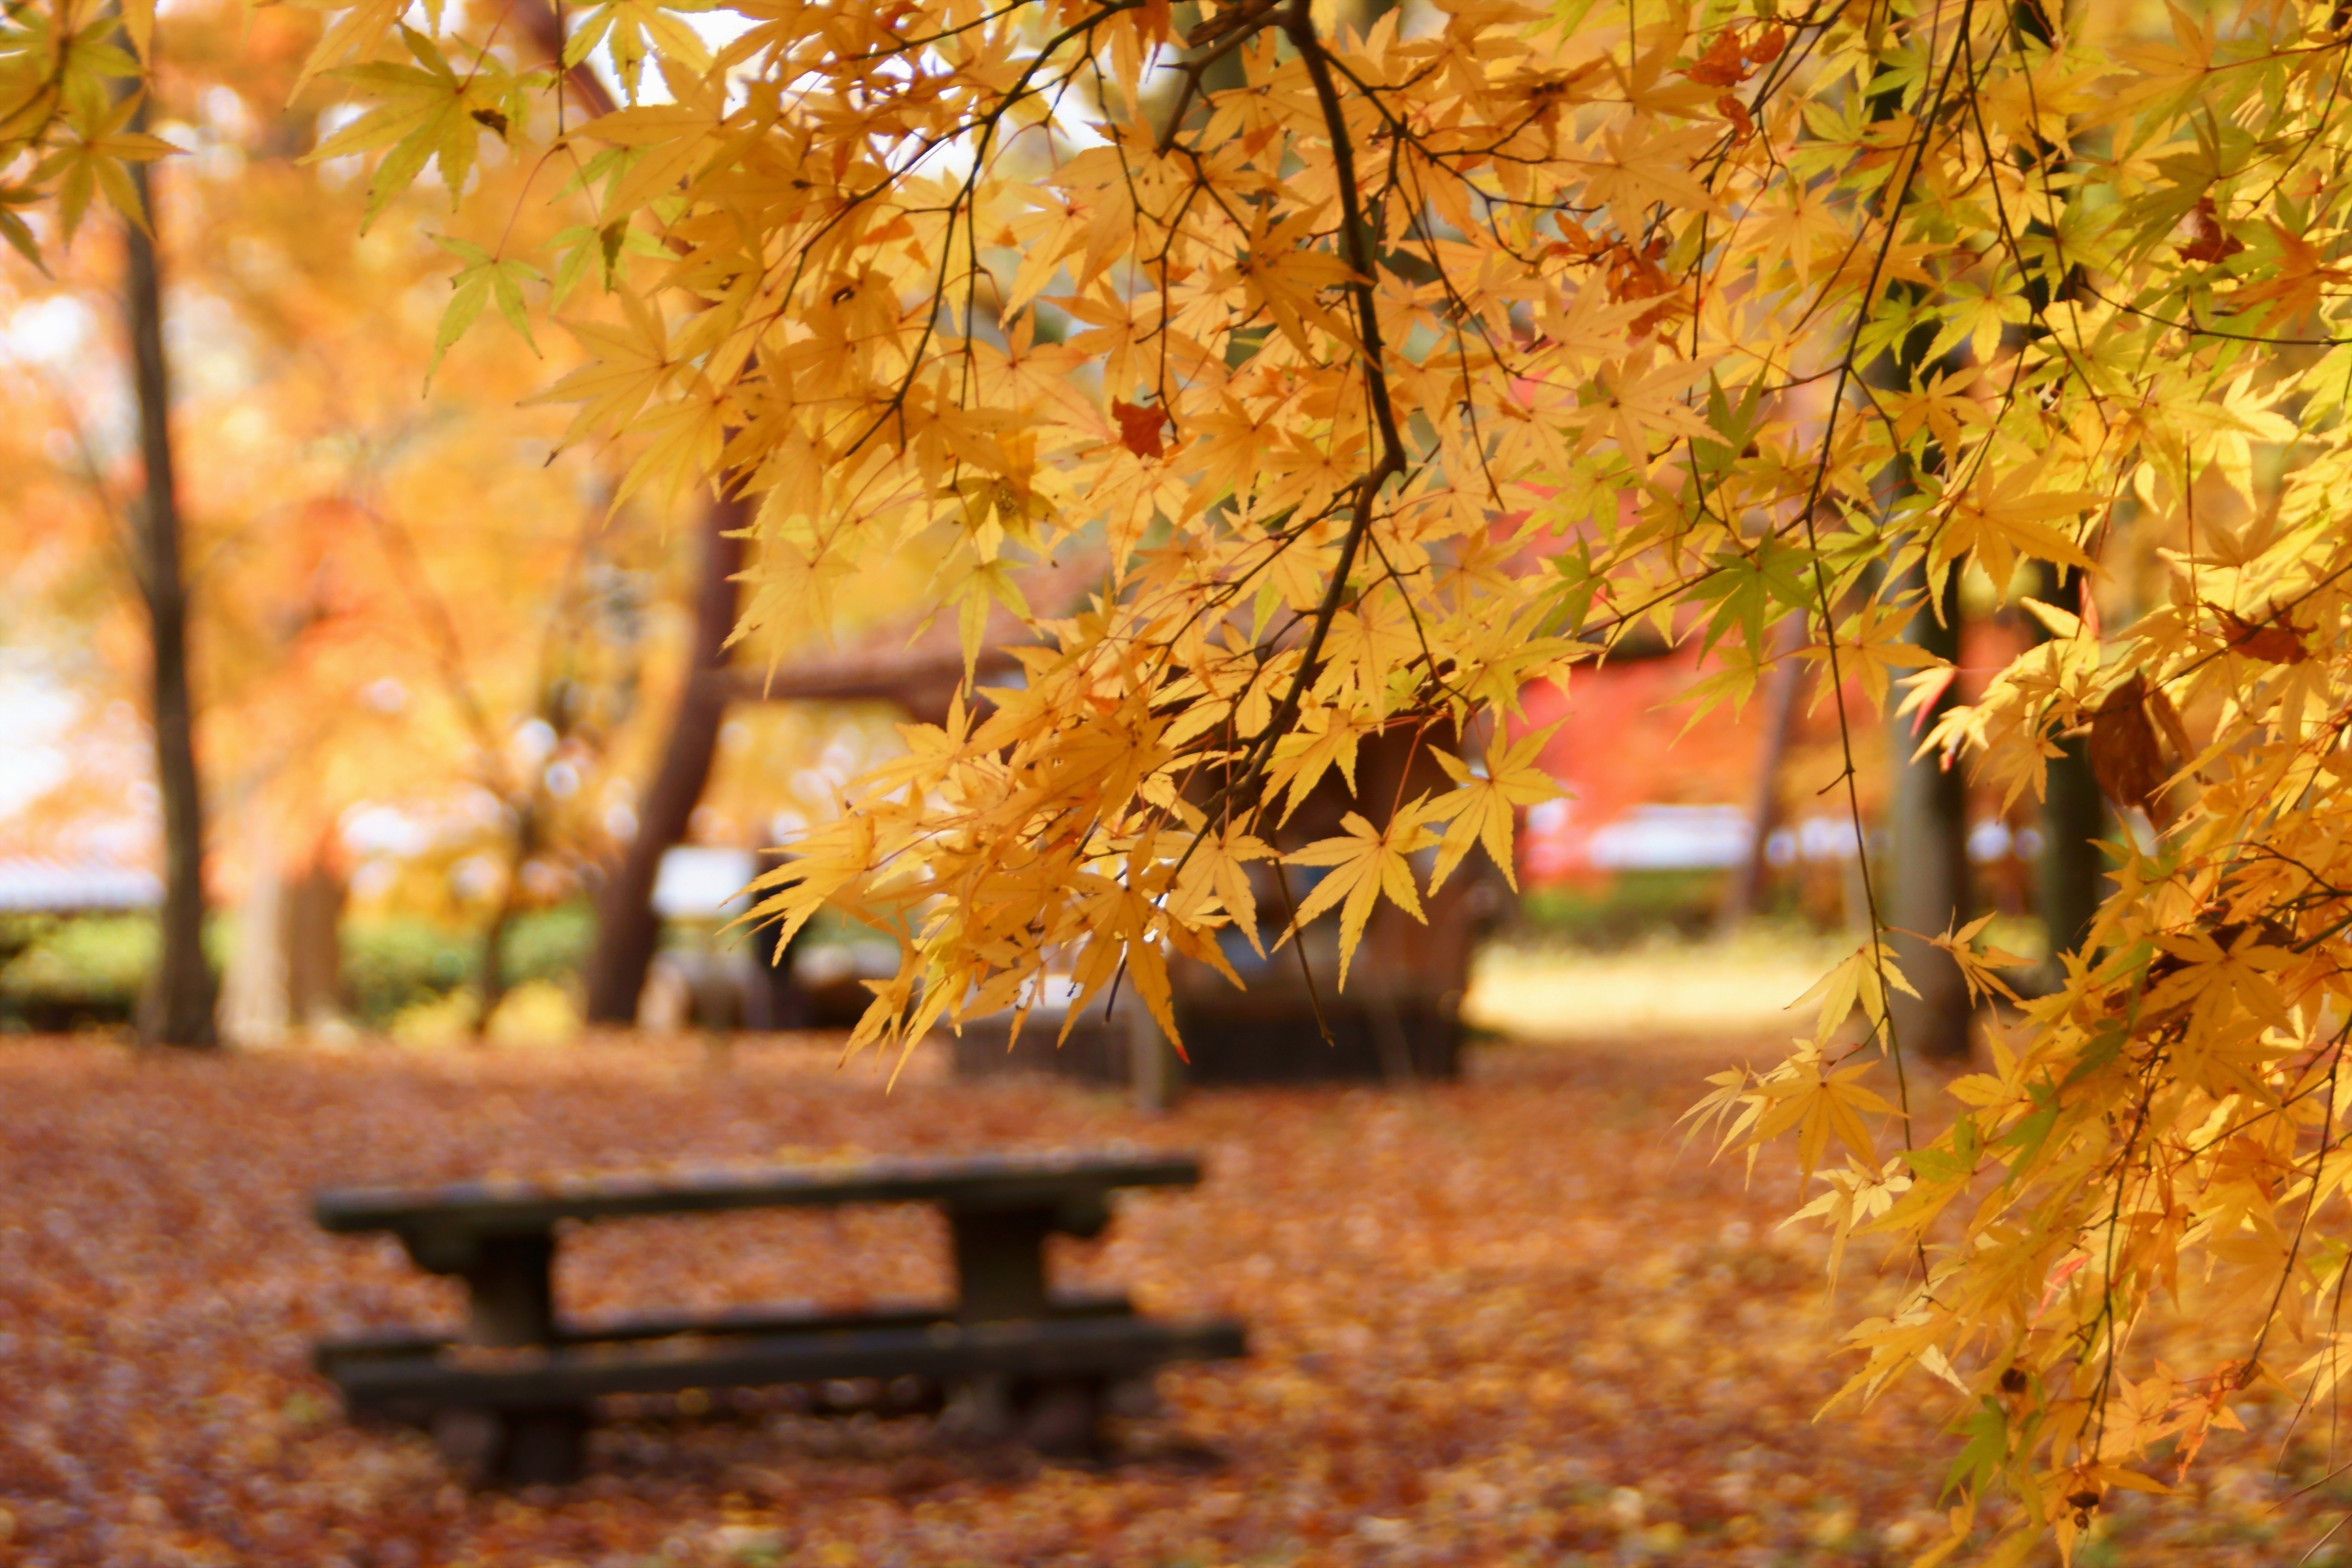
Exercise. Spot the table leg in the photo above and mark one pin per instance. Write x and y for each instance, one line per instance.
(1000, 1260)
(511, 1290)
(541, 1447)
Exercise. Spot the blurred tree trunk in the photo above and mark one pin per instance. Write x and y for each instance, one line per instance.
(312, 910)
(490, 967)
(1741, 899)
(1926, 880)
(177, 1008)
(626, 927)
(2067, 873)
(1924, 885)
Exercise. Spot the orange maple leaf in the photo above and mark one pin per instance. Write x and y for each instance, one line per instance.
(1139, 427)
(1720, 66)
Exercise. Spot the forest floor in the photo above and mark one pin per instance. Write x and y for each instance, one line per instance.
(1508, 1321)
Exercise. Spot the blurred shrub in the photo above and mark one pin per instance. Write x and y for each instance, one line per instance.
(70, 974)
(86, 971)
(537, 1012)
(1627, 909)
(550, 945)
(393, 964)
(437, 1021)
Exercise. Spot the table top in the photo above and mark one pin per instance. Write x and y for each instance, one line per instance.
(970, 1183)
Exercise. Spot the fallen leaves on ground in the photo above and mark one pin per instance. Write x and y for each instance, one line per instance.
(1505, 1321)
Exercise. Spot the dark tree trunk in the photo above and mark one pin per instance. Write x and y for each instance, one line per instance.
(1746, 893)
(2067, 873)
(177, 1008)
(626, 926)
(776, 1001)
(1928, 870)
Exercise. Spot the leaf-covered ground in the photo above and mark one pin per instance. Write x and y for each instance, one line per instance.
(1505, 1321)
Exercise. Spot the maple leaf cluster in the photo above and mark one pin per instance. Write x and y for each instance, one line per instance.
(68, 130)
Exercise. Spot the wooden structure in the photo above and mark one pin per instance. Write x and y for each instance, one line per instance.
(1034, 1364)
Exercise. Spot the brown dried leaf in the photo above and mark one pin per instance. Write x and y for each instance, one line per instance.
(2209, 241)
(2274, 642)
(1721, 64)
(2124, 752)
(1139, 427)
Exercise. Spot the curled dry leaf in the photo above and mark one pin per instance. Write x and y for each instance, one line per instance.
(2208, 241)
(2124, 751)
(2274, 641)
(1720, 66)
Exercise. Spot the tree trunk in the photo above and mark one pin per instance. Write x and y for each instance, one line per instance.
(177, 1008)
(2067, 873)
(490, 967)
(1741, 899)
(252, 1008)
(312, 942)
(1928, 870)
(626, 926)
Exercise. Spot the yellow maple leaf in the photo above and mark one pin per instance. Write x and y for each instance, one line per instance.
(1820, 1107)
(1217, 871)
(1485, 809)
(1282, 275)
(1324, 737)
(1366, 864)
(1999, 519)
(1860, 980)
(627, 366)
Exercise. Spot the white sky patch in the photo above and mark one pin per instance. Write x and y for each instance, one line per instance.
(49, 333)
(34, 713)
(69, 364)
(212, 351)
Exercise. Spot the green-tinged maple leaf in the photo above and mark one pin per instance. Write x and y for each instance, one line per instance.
(428, 113)
(484, 277)
(633, 30)
(96, 160)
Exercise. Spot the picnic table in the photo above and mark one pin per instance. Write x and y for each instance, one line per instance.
(1037, 1363)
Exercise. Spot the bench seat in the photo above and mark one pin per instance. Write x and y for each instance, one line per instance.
(536, 1378)
(330, 1355)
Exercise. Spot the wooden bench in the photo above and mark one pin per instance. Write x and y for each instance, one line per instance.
(1031, 1362)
